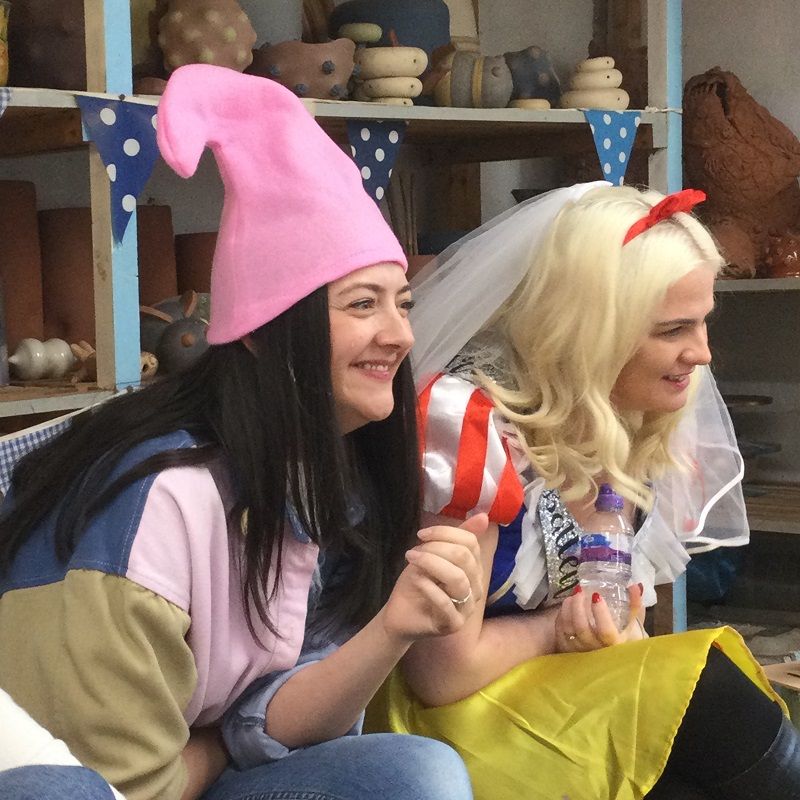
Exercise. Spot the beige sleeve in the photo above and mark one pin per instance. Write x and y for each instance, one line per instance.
(103, 664)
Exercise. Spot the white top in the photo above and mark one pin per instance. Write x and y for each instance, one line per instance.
(23, 742)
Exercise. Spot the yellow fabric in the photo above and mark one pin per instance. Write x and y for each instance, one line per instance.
(71, 651)
(594, 725)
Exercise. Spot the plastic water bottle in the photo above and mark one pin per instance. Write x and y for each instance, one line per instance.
(605, 556)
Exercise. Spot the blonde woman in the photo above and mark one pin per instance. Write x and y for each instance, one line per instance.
(572, 350)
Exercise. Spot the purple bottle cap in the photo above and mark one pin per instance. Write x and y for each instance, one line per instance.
(608, 499)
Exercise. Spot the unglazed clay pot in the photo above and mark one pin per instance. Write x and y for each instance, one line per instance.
(194, 253)
(475, 81)
(158, 274)
(67, 269)
(47, 44)
(309, 70)
(20, 262)
(206, 32)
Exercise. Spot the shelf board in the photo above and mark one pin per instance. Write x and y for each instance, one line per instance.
(17, 400)
(483, 134)
(46, 120)
(758, 285)
(778, 510)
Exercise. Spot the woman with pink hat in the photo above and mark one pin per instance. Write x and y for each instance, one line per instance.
(237, 547)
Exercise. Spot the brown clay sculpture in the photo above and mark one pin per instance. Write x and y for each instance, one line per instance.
(746, 161)
(206, 32)
(309, 70)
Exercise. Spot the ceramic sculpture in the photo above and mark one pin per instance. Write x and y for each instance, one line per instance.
(174, 330)
(535, 83)
(20, 262)
(474, 81)
(746, 161)
(206, 32)
(389, 74)
(596, 84)
(309, 70)
(34, 359)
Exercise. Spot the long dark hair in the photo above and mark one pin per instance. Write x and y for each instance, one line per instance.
(271, 417)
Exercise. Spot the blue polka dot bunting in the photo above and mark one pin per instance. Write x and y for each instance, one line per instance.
(613, 132)
(374, 147)
(125, 136)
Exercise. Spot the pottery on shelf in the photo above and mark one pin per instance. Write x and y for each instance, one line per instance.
(206, 32)
(194, 254)
(175, 330)
(67, 267)
(596, 84)
(20, 262)
(782, 258)
(535, 83)
(389, 74)
(34, 359)
(308, 70)
(474, 81)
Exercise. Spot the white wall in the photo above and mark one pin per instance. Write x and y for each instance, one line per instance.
(756, 40)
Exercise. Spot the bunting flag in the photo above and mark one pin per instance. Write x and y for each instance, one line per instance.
(374, 146)
(613, 132)
(5, 98)
(125, 136)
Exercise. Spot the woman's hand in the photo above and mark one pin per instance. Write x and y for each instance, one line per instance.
(585, 623)
(441, 585)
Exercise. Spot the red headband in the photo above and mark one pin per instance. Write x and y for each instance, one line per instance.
(684, 200)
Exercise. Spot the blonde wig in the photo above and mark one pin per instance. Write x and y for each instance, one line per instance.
(577, 318)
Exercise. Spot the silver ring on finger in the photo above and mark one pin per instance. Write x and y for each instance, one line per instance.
(456, 602)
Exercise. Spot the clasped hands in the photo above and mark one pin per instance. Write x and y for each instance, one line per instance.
(441, 584)
(584, 622)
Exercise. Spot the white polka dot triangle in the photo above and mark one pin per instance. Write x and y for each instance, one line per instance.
(614, 133)
(374, 146)
(125, 136)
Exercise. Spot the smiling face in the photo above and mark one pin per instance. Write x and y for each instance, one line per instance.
(657, 377)
(370, 336)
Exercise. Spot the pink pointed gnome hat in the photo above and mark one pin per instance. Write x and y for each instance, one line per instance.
(295, 214)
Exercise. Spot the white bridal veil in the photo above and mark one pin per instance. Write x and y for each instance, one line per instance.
(456, 295)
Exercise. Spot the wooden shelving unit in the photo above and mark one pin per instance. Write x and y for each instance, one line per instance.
(758, 285)
(777, 510)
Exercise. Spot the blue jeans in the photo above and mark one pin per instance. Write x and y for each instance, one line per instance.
(380, 766)
(46, 782)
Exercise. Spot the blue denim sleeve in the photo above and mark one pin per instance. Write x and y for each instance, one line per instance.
(243, 724)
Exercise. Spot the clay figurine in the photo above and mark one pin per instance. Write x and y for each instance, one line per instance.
(536, 84)
(782, 258)
(174, 330)
(33, 359)
(389, 74)
(309, 70)
(473, 81)
(746, 161)
(596, 84)
(206, 32)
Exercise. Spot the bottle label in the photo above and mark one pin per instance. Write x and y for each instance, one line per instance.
(596, 547)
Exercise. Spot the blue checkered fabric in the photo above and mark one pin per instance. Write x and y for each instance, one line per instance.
(16, 445)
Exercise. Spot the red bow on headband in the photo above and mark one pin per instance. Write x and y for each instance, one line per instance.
(684, 200)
